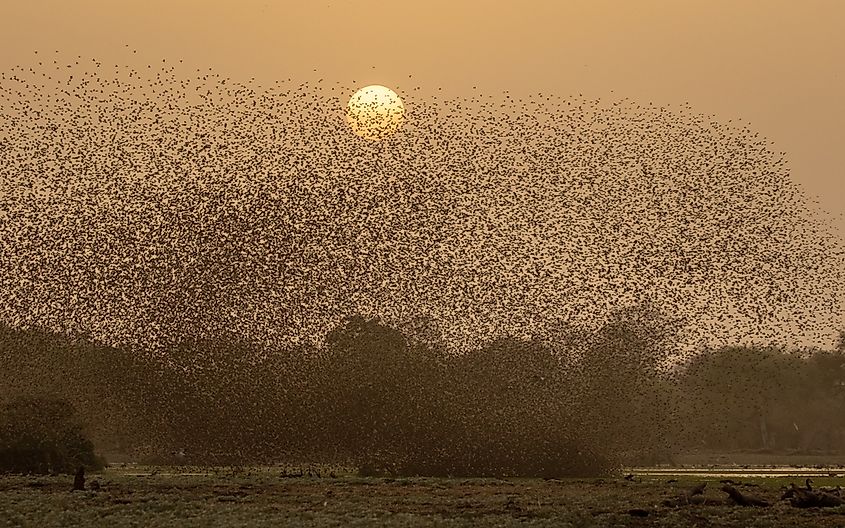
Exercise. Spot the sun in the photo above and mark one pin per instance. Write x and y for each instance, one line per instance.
(375, 112)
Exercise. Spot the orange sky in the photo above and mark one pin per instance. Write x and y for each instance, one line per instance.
(776, 63)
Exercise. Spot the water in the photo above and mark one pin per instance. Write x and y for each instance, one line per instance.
(741, 471)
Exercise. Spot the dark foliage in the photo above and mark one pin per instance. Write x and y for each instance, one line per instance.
(392, 402)
(42, 435)
(763, 398)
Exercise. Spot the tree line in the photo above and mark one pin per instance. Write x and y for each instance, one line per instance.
(396, 401)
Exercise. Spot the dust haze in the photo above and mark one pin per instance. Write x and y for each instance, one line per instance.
(532, 286)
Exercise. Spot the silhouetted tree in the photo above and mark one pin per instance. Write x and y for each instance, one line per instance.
(369, 388)
(620, 377)
(742, 397)
(42, 435)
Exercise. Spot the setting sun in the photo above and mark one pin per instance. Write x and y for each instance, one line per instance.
(406, 263)
(375, 112)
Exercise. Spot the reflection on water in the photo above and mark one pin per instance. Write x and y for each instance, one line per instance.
(742, 471)
(735, 471)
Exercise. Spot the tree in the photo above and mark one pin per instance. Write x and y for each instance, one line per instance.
(42, 435)
(509, 404)
(743, 397)
(369, 388)
(621, 379)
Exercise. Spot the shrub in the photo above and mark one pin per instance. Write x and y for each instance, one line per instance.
(42, 435)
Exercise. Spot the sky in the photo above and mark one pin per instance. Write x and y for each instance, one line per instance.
(776, 64)
(132, 255)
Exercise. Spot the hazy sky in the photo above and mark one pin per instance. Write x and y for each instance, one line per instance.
(776, 63)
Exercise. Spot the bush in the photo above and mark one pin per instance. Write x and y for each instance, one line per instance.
(42, 435)
(393, 407)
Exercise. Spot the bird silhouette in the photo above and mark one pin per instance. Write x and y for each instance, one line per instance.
(148, 205)
(743, 499)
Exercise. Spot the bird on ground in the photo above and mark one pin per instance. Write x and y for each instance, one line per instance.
(742, 499)
(694, 495)
(697, 490)
(79, 479)
(807, 497)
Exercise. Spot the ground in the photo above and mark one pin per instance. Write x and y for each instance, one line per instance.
(135, 496)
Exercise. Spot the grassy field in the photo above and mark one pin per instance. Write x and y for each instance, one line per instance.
(133, 496)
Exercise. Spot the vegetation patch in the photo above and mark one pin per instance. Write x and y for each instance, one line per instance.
(42, 435)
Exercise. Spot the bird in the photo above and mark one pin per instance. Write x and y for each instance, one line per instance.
(79, 479)
(807, 497)
(156, 209)
(742, 499)
(697, 490)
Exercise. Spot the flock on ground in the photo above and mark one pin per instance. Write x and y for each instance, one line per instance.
(799, 496)
(806, 496)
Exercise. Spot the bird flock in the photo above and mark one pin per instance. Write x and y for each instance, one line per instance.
(140, 205)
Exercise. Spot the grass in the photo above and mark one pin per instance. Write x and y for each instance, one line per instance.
(131, 496)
